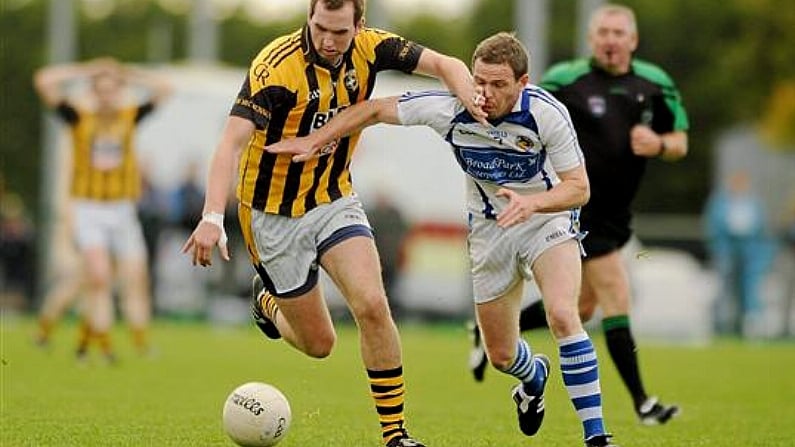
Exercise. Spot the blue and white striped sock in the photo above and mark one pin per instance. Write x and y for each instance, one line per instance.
(581, 376)
(524, 368)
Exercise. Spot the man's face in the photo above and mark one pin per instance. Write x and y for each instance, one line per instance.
(613, 39)
(332, 31)
(108, 88)
(499, 87)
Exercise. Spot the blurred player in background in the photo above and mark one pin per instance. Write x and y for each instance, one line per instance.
(625, 111)
(526, 182)
(105, 184)
(299, 216)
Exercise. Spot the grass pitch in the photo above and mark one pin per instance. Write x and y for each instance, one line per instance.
(732, 393)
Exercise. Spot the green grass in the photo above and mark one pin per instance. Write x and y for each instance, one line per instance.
(732, 393)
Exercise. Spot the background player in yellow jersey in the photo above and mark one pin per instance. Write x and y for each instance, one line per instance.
(299, 216)
(105, 184)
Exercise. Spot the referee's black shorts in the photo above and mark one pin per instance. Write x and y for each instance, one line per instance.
(607, 232)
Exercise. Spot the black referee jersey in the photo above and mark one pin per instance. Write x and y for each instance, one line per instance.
(604, 108)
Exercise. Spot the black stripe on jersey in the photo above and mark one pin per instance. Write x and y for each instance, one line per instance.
(310, 201)
(292, 49)
(278, 119)
(271, 57)
(337, 167)
(353, 93)
(294, 171)
(370, 81)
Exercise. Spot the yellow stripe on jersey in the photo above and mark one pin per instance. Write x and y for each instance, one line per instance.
(290, 92)
(105, 164)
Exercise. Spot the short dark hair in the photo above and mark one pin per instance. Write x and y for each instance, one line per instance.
(503, 48)
(358, 7)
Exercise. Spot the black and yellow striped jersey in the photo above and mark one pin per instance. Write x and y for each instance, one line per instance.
(104, 164)
(289, 92)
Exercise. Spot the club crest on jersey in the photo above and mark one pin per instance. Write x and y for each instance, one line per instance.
(351, 80)
(524, 143)
(597, 105)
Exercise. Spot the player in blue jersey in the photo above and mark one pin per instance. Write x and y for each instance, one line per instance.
(526, 180)
(626, 111)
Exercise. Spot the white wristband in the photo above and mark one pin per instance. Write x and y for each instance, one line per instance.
(216, 219)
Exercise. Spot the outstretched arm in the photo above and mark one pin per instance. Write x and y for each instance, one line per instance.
(350, 120)
(455, 75)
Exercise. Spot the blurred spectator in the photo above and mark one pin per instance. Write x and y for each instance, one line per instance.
(390, 228)
(188, 200)
(789, 289)
(153, 212)
(105, 186)
(740, 250)
(16, 253)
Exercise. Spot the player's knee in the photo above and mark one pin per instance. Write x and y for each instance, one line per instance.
(370, 310)
(562, 319)
(98, 281)
(501, 359)
(321, 345)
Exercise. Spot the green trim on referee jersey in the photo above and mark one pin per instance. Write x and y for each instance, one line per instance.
(564, 73)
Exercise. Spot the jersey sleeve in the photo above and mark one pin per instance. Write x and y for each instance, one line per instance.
(264, 89)
(67, 113)
(433, 108)
(671, 104)
(390, 51)
(144, 110)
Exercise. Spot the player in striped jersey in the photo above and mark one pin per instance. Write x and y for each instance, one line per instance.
(526, 180)
(299, 216)
(105, 185)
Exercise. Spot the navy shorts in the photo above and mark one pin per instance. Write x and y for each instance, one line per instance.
(606, 232)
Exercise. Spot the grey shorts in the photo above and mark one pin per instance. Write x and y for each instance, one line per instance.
(500, 257)
(285, 251)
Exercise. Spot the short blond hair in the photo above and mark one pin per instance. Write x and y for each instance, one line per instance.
(503, 48)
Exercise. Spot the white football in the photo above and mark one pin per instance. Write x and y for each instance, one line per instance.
(256, 415)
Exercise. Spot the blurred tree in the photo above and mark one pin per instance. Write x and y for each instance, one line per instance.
(241, 38)
(444, 36)
(778, 122)
(727, 57)
(21, 52)
(488, 17)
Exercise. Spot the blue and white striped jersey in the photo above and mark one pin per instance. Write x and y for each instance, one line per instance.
(522, 151)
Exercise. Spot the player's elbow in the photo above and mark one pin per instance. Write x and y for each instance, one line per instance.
(584, 193)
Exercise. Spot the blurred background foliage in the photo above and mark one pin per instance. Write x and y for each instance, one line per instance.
(733, 60)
